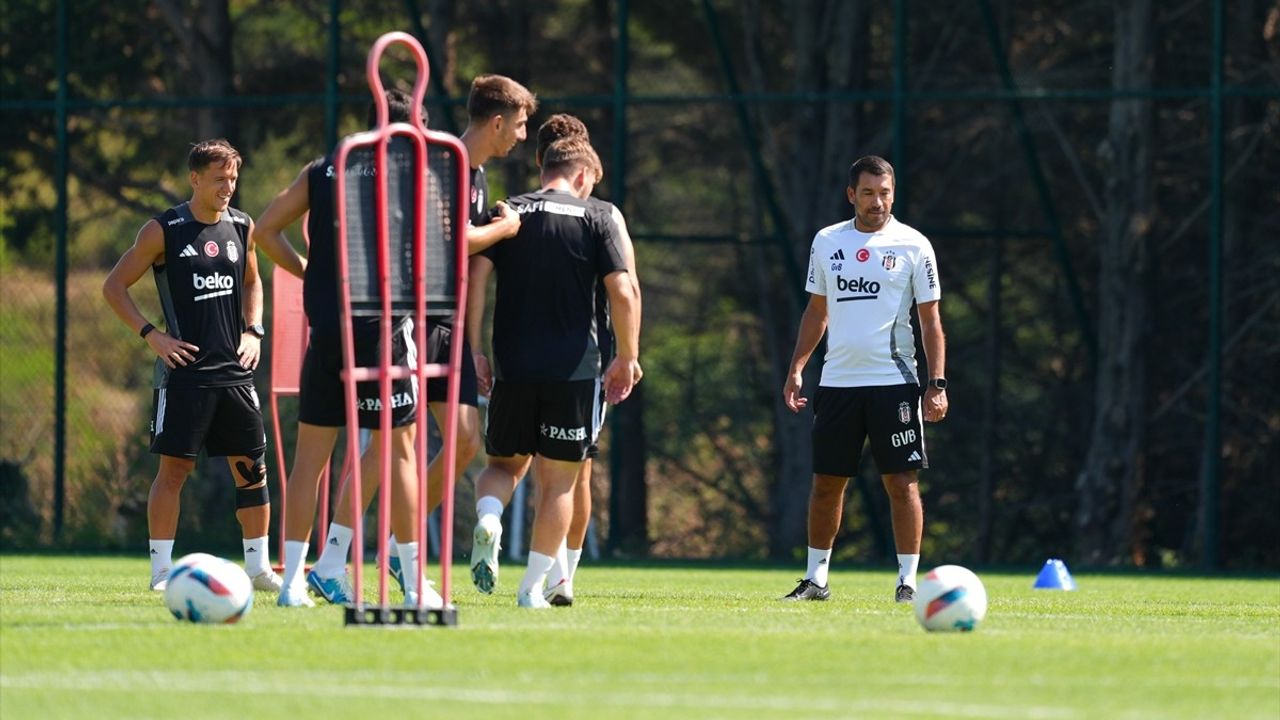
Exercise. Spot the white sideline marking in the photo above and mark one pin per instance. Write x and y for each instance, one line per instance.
(308, 684)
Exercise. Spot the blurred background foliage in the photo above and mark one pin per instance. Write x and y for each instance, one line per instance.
(1051, 447)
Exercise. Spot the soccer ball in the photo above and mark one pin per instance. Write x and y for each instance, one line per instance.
(207, 589)
(950, 598)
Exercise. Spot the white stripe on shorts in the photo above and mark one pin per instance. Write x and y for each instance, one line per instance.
(411, 356)
(597, 412)
(160, 412)
(924, 453)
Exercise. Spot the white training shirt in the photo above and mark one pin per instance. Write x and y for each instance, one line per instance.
(870, 280)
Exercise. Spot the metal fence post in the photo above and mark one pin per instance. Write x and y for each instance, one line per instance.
(60, 238)
(1211, 462)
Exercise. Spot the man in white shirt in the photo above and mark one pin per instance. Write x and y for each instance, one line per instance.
(864, 275)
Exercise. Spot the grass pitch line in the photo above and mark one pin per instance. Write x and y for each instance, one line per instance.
(304, 684)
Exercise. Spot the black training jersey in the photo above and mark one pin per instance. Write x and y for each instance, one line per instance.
(320, 283)
(477, 207)
(479, 204)
(320, 296)
(544, 322)
(604, 324)
(201, 286)
(320, 291)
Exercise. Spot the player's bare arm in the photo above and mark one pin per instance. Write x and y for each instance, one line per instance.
(250, 348)
(813, 323)
(935, 351)
(478, 273)
(624, 308)
(628, 252)
(504, 226)
(283, 210)
(147, 249)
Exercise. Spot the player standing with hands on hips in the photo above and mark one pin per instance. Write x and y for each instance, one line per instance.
(206, 272)
(864, 275)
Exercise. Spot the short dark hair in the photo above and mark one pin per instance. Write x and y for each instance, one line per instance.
(498, 95)
(571, 152)
(207, 153)
(399, 108)
(873, 164)
(560, 125)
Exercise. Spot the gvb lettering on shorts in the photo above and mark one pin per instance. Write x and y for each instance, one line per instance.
(901, 439)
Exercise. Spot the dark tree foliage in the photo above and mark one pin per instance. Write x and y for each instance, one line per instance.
(1049, 450)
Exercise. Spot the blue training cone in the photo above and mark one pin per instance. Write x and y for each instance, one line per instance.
(1054, 576)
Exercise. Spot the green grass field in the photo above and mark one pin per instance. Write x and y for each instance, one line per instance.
(83, 638)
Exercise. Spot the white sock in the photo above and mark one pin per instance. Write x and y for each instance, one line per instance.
(574, 557)
(488, 505)
(408, 553)
(393, 548)
(819, 563)
(907, 566)
(333, 559)
(560, 570)
(161, 555)
(257, 559)
(295, 558)
(536, 574)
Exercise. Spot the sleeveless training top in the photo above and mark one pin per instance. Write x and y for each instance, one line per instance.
(201, 286)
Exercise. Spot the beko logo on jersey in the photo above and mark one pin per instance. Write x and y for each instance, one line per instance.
(216, 281)
(864, 289)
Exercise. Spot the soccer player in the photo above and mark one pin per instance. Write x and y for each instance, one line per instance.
(322, 412)
(864, 275)
(498, 111)
(495, 488)
(546, 400)
(206, 271)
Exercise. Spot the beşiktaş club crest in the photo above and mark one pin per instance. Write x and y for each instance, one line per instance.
(233, 254)
(904, 412)
(888, 261)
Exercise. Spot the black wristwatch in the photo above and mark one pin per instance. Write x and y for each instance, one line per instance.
(940, 383)
(258, 330)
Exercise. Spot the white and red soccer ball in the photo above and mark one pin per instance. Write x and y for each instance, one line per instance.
(203, 588)
(950, 598)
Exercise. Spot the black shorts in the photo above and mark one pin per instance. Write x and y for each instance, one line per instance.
(225, 421)
(557, 420)
(321, 395)
(843, 418)
(439, 345)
